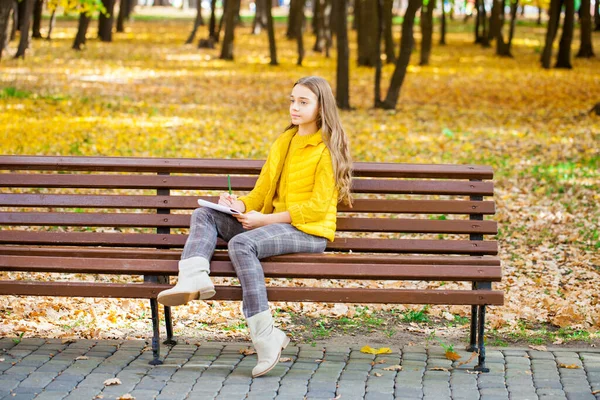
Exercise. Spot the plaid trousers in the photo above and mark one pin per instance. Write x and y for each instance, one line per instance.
(246, 248)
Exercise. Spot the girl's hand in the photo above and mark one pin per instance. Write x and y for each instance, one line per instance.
(231, 201)
(252, 220)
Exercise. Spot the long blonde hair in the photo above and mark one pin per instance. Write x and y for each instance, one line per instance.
(333, 134)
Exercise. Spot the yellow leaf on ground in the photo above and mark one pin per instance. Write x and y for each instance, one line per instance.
(439, 369)
(377, 374)
(569, 366)
(247, 351)
(393, 368)
(369, 350)
(112, 381)
(285, 359)
(126, 397)
(452, 355)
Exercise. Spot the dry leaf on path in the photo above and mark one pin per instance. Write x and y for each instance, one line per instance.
(82, 358)
(538, 348)
(378, 374)
(369, 350)
(569, 366)
(439, 369)
(393, 368)
(285, 359)
(112, 381)
(452, 355)
(126, 397)
(382, 361)
(247, 351)
(473, 355)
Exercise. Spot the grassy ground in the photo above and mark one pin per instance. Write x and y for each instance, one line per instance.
(146, 94)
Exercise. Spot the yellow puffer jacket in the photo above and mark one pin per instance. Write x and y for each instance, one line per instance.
(311, 195)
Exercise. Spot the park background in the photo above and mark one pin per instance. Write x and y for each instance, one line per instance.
(146, 93)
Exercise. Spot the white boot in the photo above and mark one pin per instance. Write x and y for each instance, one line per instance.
(268, 342)
(193, 283)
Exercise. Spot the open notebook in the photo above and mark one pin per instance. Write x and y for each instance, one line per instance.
(218, 207)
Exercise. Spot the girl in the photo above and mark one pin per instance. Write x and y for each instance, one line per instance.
(292, 209)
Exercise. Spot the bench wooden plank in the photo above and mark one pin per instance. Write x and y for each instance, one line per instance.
(183, 221)
(220, 255)
(295, 294)
(238, 166)
(272, 269)
(190, 202)
(475, 247)
(244, 183)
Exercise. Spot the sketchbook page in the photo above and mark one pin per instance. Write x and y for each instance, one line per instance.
(218, 207)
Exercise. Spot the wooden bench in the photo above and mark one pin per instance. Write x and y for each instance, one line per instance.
(409, 223)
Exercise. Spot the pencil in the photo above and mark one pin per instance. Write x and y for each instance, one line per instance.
(229, 183)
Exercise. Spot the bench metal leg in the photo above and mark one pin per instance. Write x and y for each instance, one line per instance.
(169, 325)
(480, 341)
(473, 338)
(156, 333)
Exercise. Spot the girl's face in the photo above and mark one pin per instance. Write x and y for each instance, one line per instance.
(304, 106)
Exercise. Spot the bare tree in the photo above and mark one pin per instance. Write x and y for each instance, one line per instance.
(586, 49)
(406, 45)
(342, 94)
(24, 25)
(271, 32)
(231, 11)
(426, 30)
(5, 14)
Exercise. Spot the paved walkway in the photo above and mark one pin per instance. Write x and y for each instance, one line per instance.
(50, 369)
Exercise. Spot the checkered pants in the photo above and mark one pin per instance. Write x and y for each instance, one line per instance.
(246, 248)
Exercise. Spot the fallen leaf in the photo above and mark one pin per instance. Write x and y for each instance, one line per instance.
(558, 341)
(320, 360)
(285, 359)
(439, 369)
(247, 351)
(112, 381)
(568, 366)
(126, 397)
(452, 355)
(393, 368)
(473, 355)
(82, 358)
(382, 361)
(538, 348)
(68, 341)
(369, 350)
(377, 374)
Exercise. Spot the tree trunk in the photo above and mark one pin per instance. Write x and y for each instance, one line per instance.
(271, 32)
(222, 20)
(327, 18)
(564, 48)
(380, 27)
(232, 9)
(388, 33)
(586, 49)
(502, 47)
(105, 21)
(597, 15)
(260, 17)
(197, 23)
(367, 29)
(121, 16)
(406, 46)
(84, 22)
(318, 24)
(555, 6)
(539, 18)
(291, 28)
(299, 25)
(130, 8)
(5, 12)
(426, 31)
(443, 25)
(212, 23)
(51, 24)
(485, 42)
(24, 24)
(342, 94)
(497, 8)
(37, 19)
(477, 22)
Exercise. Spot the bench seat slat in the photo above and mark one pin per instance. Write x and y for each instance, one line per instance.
(190, 202)
(165, 240)
(244, 183)
(329, 295)
(224, 166)
(271, 269)
(183, 221)
(327, 258)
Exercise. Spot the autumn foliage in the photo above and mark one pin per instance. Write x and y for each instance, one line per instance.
(146, 94)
